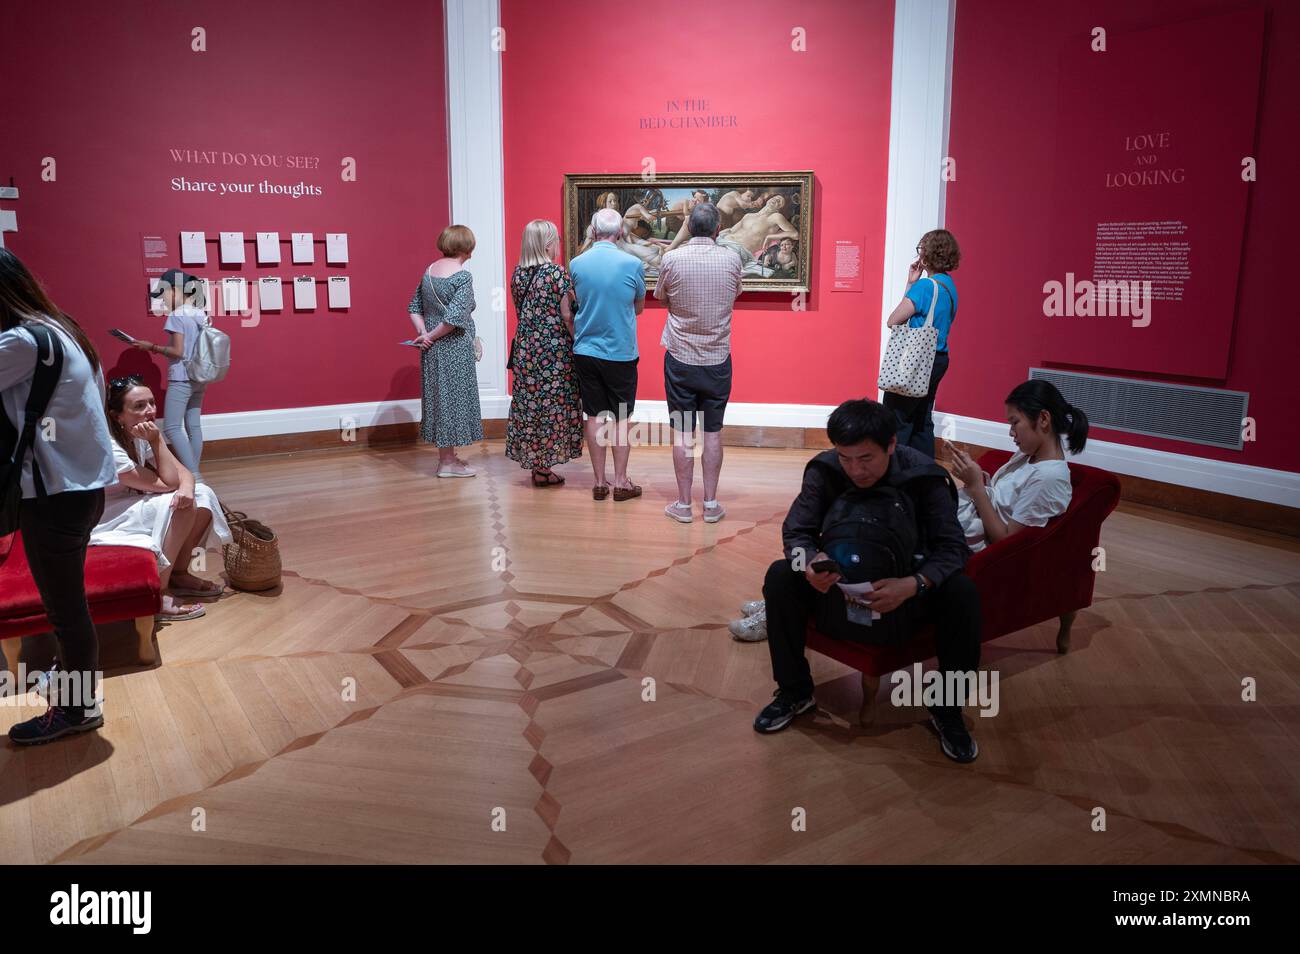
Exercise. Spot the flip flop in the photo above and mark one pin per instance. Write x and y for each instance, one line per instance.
(183, 591)
(176, 617)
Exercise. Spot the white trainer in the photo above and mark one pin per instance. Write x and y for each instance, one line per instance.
(751, 629)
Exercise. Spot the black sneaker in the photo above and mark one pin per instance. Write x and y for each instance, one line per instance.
(954, 738)
(54, 724)
(780, 712)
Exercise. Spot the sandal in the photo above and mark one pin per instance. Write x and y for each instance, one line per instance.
(186, 611)
(546, 478)
(216, 590)
(626, 493)
(600, 492)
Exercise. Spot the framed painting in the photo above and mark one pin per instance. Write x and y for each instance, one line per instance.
(766, 219)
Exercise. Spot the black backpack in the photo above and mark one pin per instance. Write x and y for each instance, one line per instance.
(872, 535)
(15, 444)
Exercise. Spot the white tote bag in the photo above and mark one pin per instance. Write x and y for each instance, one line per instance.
(909, 356)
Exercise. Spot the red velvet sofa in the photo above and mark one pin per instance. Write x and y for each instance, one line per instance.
(121, 584)
(1038, 574)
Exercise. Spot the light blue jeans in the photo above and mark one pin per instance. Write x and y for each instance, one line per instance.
(181, 422)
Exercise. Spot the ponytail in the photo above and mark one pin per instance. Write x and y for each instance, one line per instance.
(1033, 397)
(1077, 432)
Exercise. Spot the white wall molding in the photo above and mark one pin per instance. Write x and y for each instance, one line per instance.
(749, 415)
(476, 166)
(1237, 480)
(919, 101)
(1224, 477)
(327, 417)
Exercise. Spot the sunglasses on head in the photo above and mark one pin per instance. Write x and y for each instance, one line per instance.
(120, 384)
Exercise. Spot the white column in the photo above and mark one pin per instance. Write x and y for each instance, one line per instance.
(920, 95)
(474, 152)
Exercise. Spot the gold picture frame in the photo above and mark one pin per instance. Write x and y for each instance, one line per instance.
(772, 239)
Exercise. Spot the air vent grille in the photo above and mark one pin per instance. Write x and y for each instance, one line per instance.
(1181, 412)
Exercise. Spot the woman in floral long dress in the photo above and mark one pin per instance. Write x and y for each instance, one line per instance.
(441, 310)
(545, 426)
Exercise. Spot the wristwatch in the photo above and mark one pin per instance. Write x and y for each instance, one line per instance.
(921, 585)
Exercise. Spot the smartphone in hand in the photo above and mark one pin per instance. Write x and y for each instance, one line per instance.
(826, 566)
(121, 335)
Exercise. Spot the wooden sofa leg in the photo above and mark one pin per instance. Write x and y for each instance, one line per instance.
(144, 632)
(870, 686)
(12, 647)
(1063, 634)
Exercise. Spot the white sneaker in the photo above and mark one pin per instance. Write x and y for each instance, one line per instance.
(751, 629)
(464, 472)
(675, 511)
(752, 607)
(713, 514)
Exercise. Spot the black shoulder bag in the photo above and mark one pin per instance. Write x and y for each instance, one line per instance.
(14, 446)
(510, 361)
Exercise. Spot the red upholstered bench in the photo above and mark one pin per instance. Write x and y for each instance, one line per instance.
(1035, 575)
(121, 583)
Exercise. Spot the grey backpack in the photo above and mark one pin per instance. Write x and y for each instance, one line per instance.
(211, 358)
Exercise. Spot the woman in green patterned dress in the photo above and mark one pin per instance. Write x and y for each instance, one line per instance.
(440, 311)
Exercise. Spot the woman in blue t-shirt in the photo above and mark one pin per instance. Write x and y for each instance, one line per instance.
(937, 255)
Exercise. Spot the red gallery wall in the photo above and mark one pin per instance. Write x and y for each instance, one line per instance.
(1003, 136)
(108, 89)
(578, 79)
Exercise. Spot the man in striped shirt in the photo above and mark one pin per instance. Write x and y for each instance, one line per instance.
(699, 281)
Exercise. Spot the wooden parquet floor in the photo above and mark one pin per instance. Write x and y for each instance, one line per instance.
(499, 639)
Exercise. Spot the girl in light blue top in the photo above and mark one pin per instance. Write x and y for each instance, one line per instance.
(181, 297)
(63, 479)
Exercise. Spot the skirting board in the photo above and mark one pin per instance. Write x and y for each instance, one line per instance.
(1237, 480)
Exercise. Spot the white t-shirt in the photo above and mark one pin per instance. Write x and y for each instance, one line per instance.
(189, 321)
(1030, 494)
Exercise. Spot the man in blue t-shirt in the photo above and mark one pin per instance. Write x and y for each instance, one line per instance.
(610, 288)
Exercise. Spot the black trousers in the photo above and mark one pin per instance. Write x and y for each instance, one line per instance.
(915, 415)
(954, 608)
(55, 532)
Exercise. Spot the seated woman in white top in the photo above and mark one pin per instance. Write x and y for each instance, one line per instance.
(1034, 485)
(156, 504)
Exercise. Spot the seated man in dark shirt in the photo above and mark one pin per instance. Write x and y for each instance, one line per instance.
(866, 455)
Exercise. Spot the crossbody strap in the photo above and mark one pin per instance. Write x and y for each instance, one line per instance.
(536, 275)
(436, 297)
(49, 368)
(950, 298)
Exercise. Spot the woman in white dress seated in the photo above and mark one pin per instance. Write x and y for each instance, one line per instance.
(156, 503)
(1034, 485)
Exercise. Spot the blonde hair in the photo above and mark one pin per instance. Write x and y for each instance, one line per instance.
(538, 235)
(456, 240)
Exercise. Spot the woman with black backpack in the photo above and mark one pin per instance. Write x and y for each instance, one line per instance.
(56, 458)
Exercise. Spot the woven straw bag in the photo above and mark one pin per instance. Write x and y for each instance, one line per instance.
(253, 555)
(909, 357)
